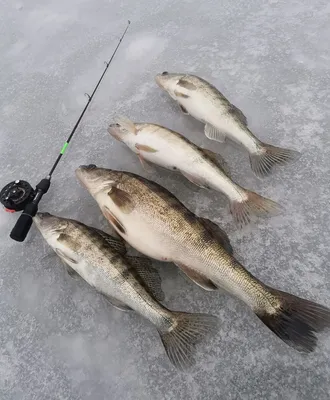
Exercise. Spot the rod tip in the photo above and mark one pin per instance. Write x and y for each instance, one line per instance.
(129, 22)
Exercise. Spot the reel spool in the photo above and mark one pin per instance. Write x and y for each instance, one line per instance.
(16, 195)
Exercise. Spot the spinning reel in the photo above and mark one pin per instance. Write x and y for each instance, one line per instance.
(16, 195)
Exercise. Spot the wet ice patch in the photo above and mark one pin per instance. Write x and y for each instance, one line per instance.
(44, 17)
(143, 46)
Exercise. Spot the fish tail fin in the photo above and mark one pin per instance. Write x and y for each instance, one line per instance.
(267, 156)
(126, 123)
(297, 320)
(252, 204)
(186, 331)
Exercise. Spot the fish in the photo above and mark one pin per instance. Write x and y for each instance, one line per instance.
(128, 283)
(222, 119)
(154, 222)
(167, 148)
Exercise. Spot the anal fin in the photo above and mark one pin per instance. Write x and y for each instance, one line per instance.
(197, 277)
(195, 180)
(146, 166)
(213, 133)
(117, 303)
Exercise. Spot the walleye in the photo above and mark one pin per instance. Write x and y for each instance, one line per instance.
(156, 223)
(129, 283)
(173, 151)
(204, 102)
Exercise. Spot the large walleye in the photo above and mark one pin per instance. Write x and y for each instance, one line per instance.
(204, 102)
(129, 283)
(173, 151)
(157, 224)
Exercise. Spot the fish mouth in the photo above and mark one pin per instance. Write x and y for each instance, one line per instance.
(159, 79)
(115, 131)
(90, 177)
(47, 222)
(88, 167)
(83, 170)
(40, 216)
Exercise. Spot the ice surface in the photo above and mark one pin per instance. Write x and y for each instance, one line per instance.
(58, 338)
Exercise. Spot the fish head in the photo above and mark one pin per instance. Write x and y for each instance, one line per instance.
(119, 132)
(50, 226)
(97, 180)
(168, 81)
(62, 235)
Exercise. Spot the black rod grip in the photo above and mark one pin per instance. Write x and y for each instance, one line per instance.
(21, 228)
(24, 222)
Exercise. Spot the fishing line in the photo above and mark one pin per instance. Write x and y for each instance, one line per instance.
(19, 195)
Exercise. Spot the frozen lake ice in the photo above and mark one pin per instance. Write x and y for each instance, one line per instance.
(59, 339)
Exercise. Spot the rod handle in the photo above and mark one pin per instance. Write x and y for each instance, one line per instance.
(24, 222)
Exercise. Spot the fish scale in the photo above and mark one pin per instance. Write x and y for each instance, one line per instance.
(158, 225)
(128, 283)
(168, 149)
(222, 119)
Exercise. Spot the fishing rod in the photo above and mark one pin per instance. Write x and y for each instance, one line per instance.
(19, 195)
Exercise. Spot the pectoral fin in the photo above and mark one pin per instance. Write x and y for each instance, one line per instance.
(197, 277)
(146, 148)
(64, 260)
(113, 220)
(180, 94)
(149, 276)
(218, 160)
(48, 256)
(65, 256)
(186, 84)
(213, 133)
(218, 233)
(74, 274)
(183, 110)
(117, 303)
(122, 199)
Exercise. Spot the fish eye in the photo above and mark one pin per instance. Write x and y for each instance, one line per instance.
(117, 125)
(165, 73)
(90, 167)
